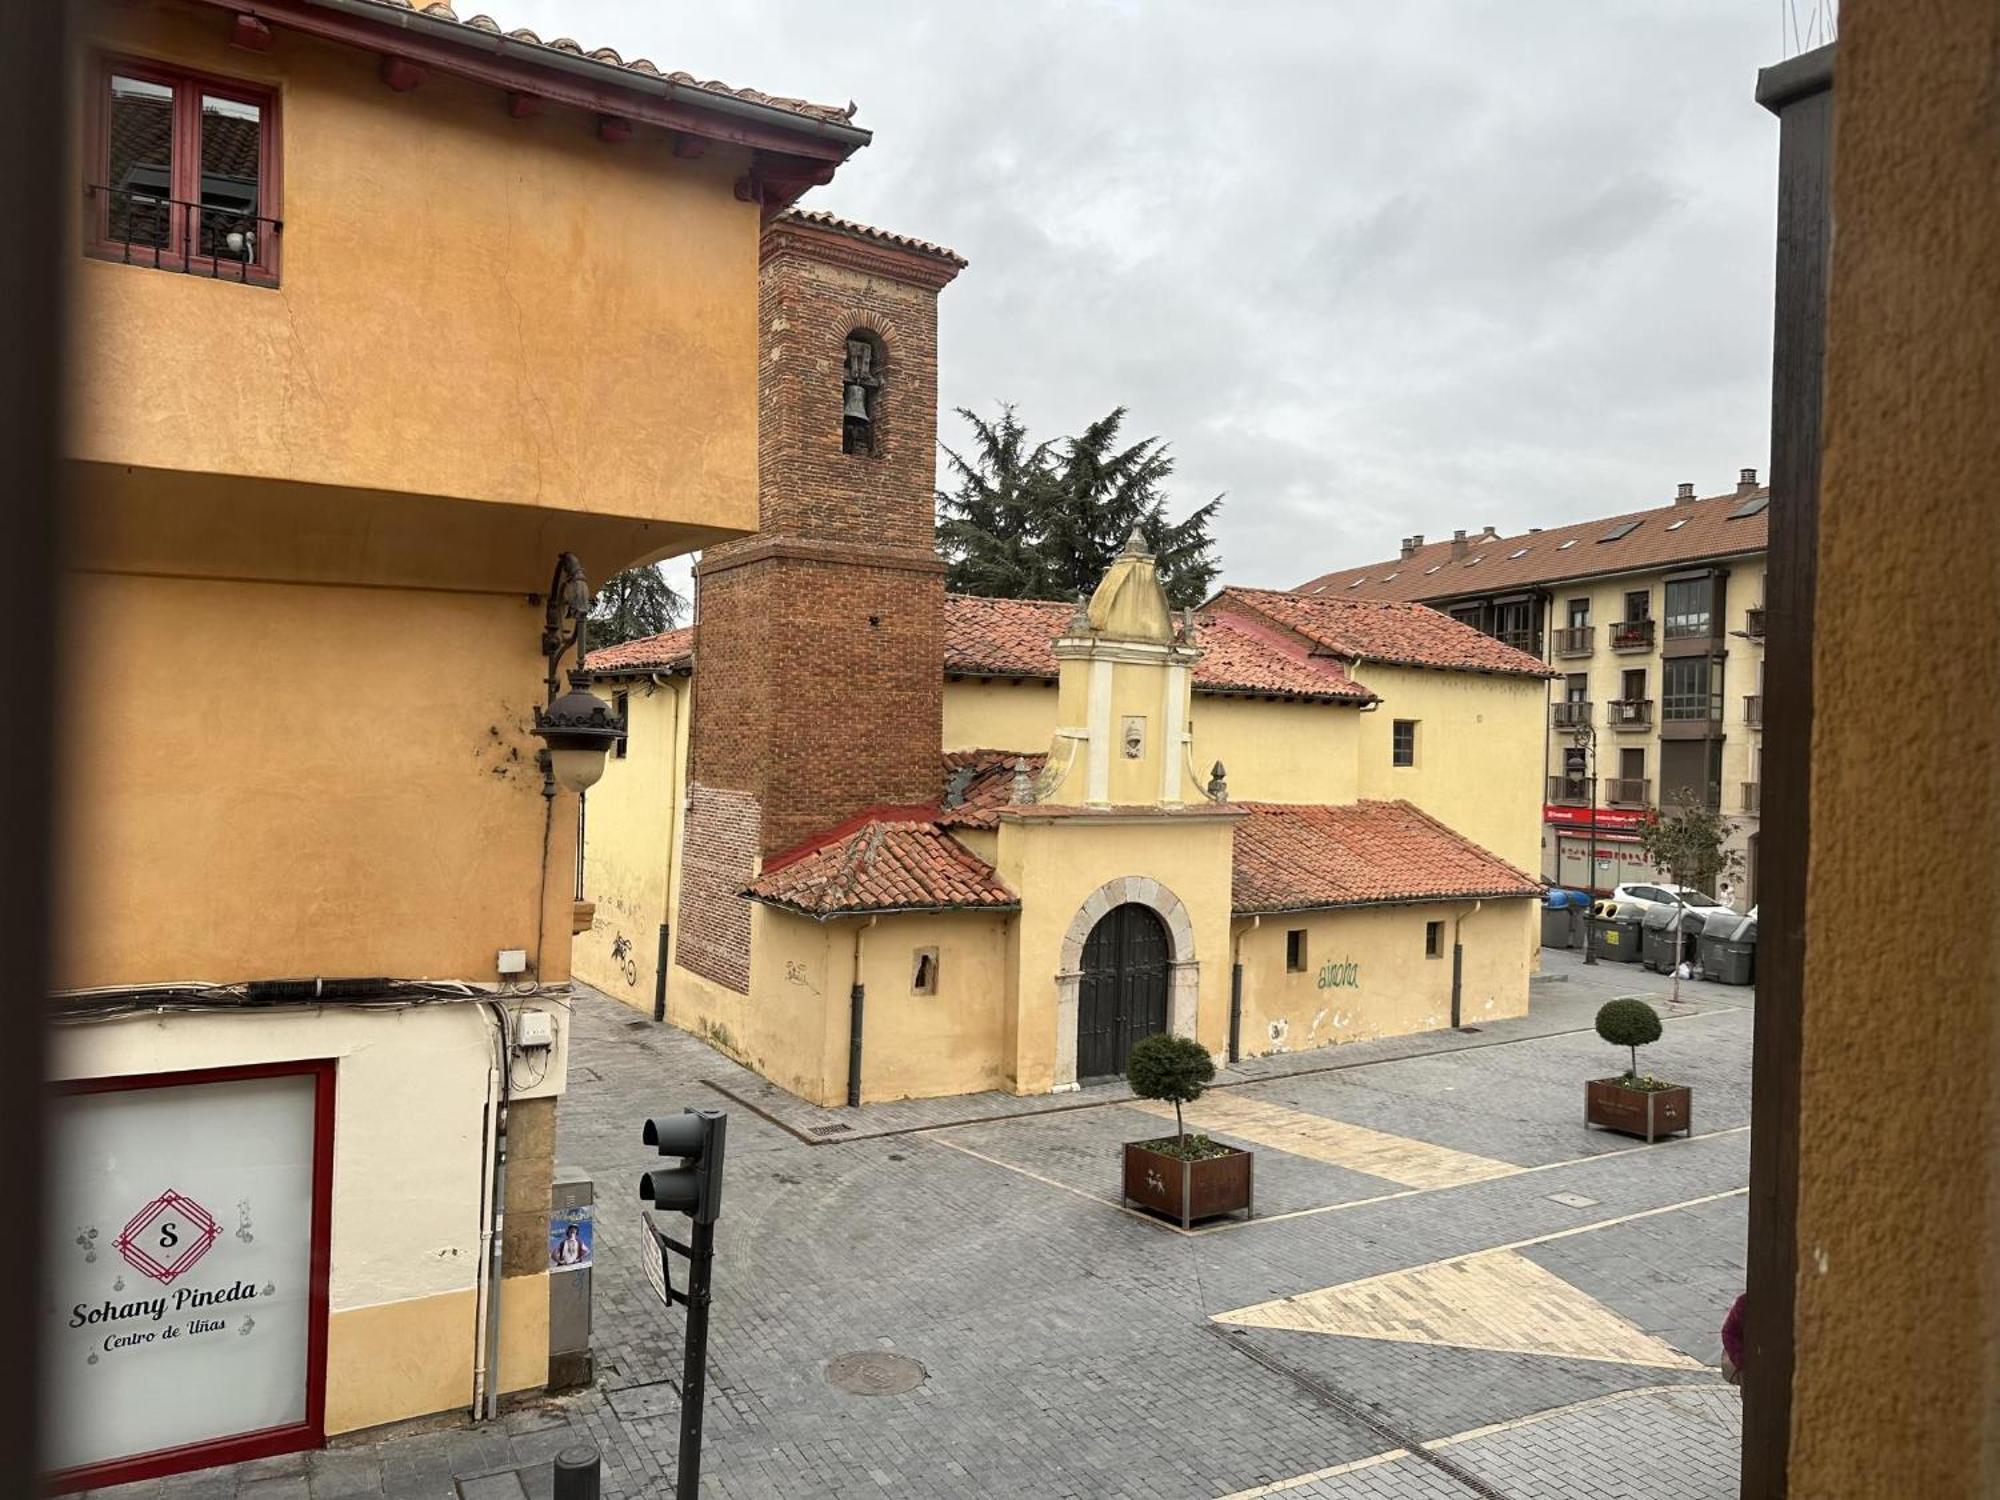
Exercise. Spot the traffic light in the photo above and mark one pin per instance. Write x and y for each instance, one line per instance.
(694, 1187)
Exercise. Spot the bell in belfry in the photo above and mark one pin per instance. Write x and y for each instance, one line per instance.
(856, 409)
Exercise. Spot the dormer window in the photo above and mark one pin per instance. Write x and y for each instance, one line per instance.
(861, 394)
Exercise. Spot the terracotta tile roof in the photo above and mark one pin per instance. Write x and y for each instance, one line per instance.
(826, 220)
(522, 38)
(1412, 635)
(1293, 858)
(670, 651)
(1016, 638)
(1700, 530)
(881, 866)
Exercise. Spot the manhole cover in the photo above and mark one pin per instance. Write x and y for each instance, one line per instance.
(871, 1372)
(1572, 1200)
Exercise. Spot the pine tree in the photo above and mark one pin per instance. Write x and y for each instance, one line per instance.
(636, 603)
(1045, 522)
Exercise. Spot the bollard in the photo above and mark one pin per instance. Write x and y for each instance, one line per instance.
(576, 1471)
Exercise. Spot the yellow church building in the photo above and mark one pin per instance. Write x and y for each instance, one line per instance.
(889, 842)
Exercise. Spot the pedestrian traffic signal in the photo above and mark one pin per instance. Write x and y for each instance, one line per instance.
(693, 1188)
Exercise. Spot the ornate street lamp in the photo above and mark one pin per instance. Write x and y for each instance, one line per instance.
(1584, 737)
(578, 726)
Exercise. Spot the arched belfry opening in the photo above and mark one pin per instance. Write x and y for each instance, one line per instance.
(861, 392)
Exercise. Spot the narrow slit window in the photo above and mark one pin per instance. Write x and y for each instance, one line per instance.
(1403, 743)
(619, 704)
(1295, 951)
(1433, 940)
(924, 972)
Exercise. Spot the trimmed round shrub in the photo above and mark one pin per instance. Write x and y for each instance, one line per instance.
(1174, 1069)
(1630, 1024)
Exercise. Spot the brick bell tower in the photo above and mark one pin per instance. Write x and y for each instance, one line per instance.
(819, 641)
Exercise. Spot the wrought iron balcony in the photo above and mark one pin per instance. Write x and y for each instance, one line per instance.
(1753, 710)
(1627, 791)
(1750, 796)
(1569, 789)
(1629, 713)
(1570, 713)
(1753, 623)
(1632, 635)
(1577, 640)
(168, 234)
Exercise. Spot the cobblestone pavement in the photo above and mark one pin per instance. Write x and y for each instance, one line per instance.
(1452, 1289)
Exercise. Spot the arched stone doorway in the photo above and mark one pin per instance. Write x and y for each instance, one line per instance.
(1122, 990)
(1181, 971)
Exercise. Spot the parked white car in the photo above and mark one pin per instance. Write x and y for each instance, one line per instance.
(1646, 896)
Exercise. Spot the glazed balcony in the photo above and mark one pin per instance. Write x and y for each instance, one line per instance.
(1572, 791)
(1577, 640)
(1629, 713)
(1753, 623)
(1520, 640)
(1627, 791)
(1632, 635)
(1571, 713)
(1753, 710)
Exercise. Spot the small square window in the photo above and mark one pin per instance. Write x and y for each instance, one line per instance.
(1403, 743)
(924, 972)
(1433, 940)
(619, 701)
(1295, 951)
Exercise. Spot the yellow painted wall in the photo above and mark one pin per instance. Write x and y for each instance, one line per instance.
(922, 1046)
(631, 842)
(1896, 1376)
(1278, 751)
(1059, 862)
(471, 305)
(986, 713)
(792, 1025)
(269, 780)
(1479, 753)
(1366, 973)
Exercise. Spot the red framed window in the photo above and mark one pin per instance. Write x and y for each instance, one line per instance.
(184, 171)
(188, 1260)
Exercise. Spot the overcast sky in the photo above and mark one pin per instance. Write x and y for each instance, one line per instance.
(1370, 268)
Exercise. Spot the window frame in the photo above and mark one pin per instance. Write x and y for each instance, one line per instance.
(919, 984)
(621, 706)
(1434, 939)
(184, 165)
(1396, 728)
(1296, 959)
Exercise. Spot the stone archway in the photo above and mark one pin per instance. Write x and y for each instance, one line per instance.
(1183, 972)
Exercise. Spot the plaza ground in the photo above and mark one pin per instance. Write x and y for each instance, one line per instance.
(1452, 1287)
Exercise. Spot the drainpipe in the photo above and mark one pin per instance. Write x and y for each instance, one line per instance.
(660, 979)
(1236, 991)
(674, 794)
(1458, 960)
(855, 999)
(487, 1356)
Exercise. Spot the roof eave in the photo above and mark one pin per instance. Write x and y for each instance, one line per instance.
(1259, 910)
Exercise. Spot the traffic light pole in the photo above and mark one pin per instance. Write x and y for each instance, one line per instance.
(694, 1361)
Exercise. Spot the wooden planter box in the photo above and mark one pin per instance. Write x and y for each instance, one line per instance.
(1651, 1113)
(1189, 1190)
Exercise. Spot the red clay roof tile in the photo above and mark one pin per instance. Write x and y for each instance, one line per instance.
(1295, 858)
(670, 651)
(884, 866)
(1412, 635)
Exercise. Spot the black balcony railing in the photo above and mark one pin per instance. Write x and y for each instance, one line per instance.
(1629, 713)
(1574, 641)
(168, 234)
(1520, 640)
(1570, 712)
(1569, 789)
(1627, 791)
(1632, 635)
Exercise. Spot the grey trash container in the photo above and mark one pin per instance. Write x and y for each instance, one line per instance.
(1659, 937)
(1562, 916)
(1615, 933)
(1729, 948)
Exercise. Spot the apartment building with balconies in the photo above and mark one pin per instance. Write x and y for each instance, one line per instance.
(1655, 621)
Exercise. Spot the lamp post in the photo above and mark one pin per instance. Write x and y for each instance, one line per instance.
(1584, 737)
(578, 726)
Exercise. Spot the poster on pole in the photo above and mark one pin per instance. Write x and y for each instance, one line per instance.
(185, 1311)
(656, 1262)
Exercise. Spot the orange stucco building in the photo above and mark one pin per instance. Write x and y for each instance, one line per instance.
(378, 314)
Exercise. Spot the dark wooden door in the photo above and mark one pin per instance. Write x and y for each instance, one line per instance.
(1123, 994)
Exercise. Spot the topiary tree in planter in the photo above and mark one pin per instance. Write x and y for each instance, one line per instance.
(1173, 1069)
(1630, 1024)
(1635, 1104)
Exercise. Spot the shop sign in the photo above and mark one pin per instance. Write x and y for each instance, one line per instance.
(1609, 819)
(183, 1309)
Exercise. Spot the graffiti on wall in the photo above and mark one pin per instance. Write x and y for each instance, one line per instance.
(1344, 975)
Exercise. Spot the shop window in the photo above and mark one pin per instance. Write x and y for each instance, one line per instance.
(1433, 940)
(1403, 742)
(1295, 951)
(924, 972)
(619, 703)
(182, 172)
